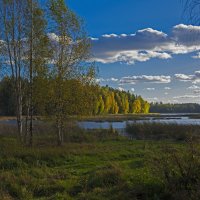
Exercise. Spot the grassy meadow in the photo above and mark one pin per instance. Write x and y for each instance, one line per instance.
(97, 165)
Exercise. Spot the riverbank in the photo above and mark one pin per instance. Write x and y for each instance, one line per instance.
(116, 117)
(133, 117)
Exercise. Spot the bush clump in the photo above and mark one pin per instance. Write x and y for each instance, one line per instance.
(162, 131)
(105, 177)
(178, 170)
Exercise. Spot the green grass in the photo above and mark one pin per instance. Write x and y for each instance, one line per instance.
(96, 165)
(94, 170)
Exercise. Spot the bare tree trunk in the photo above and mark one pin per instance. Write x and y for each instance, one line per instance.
(19, 117)
(12, 30)
(31, 78)
(59, 132)
(27, 122)
(59, 142)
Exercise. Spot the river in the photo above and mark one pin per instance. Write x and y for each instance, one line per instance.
(182, 119)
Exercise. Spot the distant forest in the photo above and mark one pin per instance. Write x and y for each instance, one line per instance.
(82, 99)
(113, 101)
(174, 108)
(86, 99)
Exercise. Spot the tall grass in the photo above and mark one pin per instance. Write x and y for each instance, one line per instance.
(179, 170)
(162, 131)
(99, 165)
(45, 133)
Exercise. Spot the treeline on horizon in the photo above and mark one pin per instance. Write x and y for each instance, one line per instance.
(82, 99)
(86, 99)
(174, 108)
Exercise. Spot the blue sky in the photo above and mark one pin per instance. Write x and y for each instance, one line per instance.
(147, 47)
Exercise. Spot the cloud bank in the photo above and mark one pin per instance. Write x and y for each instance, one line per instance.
(145, 79)
(146, 44)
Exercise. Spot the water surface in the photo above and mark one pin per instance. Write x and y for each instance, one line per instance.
(181, 119)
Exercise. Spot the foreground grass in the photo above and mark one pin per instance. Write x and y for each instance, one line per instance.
(96, 165)
(98, 170)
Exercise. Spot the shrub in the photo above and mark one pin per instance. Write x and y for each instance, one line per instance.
(160, 131)
(48, 190)
(179, 171)
(104, 177)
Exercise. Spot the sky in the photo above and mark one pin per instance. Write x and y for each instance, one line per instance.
(146, 47)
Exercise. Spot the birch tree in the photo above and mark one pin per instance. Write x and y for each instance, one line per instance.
(37, 56)
(24, 52)
(70, 48)
(12, 25)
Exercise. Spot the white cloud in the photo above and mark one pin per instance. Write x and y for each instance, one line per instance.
(193, 87)
(146, 44)
(197, 56)
(152, 99)
(94, 39)
(173, 101)
(150, 89)
(100, 80)
(195, 78)
(187, 35)
(121, 89)
(145, 78)
(187, 96)
(167, 88)
(184, 77)
(114, 79)
(123, 35)
(110, 35)
(130, 57)
(149, 31)
(132, 89)
(53, 37)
